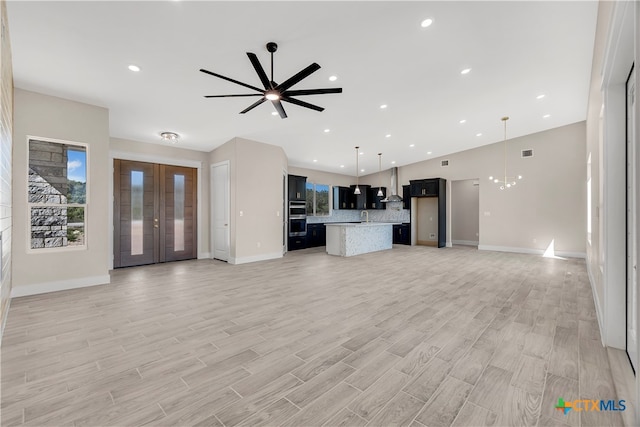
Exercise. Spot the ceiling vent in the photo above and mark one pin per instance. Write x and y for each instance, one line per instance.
(527, 153)
(444, 163)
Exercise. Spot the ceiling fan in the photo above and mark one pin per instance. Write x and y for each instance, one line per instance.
(273, 91)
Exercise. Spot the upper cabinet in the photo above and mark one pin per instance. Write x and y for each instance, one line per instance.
(359, 201)
(342, 198)
(425, 187)
(373, 200)
(406, 197)
(297, 188)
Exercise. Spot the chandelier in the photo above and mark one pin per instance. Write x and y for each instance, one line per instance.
(507, 181)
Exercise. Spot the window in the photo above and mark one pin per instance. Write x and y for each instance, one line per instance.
(57, 194)
(317, 199)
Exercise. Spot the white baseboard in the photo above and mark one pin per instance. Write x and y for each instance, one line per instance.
(596, 301)
(204, 255)
(465, 242)
(59, 285)
(531, 251)
(255, 258)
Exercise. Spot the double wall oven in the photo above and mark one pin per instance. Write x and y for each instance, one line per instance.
(297, 219)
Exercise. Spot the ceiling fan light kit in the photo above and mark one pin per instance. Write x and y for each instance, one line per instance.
(275, 92)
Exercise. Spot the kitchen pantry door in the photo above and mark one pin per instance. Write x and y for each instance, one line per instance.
(154, 213)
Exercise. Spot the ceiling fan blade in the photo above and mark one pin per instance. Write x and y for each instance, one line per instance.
(258, 67)
(254, 105)
(312, 91)
(233, 96)
(302, 103)
(297, 77)
(279, 108)
(220, 76)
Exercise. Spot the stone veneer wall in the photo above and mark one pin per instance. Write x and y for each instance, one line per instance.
(48, 223)
(6, 150)
(49, 160)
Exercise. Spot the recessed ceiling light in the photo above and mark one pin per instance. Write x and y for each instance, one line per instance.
(463, 121)
(361, 153)
(341, 166)
(327, 130)
(426, 23)
(465, 71)
(393, 162)
(134, 68)
(383, 106)
(546, 116)
(361, 170)
(428, 152)
(333, 78)
(478, 134)
(540, 96)
(388, 135)
(315, 160)
(412, 145)
(274, 113)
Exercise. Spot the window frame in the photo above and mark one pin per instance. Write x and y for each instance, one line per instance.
(314, 202)
(84, 205)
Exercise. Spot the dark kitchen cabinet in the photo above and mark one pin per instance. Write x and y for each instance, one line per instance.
(425, 187)
(342, 198)
(359, 201)
(373, 200)
(316, 235)
(297, 188)
(406, 197)
(297, 242)
(402, 234)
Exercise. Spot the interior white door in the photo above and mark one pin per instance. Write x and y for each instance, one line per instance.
(220, 210)
(632, 277)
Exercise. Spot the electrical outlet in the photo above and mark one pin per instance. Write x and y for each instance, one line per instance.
(258, 244)
(241, 213)
(432, 235)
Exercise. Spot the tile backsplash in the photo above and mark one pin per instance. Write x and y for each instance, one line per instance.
(394, 212)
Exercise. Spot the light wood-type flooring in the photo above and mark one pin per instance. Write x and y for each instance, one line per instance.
(413, 336)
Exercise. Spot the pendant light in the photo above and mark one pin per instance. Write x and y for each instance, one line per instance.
(380, 175)
(357, 190)
(508, 181)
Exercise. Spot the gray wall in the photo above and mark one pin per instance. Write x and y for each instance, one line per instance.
(547, 205)
(38, 115)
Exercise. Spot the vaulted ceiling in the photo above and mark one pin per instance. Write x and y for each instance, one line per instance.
(379, 52)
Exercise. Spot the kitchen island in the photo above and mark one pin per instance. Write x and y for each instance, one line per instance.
(349, 239)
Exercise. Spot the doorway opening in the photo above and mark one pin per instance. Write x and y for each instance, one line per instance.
(631, 215)
(465, 212)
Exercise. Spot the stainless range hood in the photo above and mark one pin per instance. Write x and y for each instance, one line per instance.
(394, 197)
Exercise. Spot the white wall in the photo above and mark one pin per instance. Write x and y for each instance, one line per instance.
(50, 117)
(6, 144)
(547, 205)
(256, 198)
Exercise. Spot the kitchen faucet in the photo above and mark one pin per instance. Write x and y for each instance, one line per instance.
(365, 212)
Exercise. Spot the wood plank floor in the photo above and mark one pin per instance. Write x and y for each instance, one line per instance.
(414, 336)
